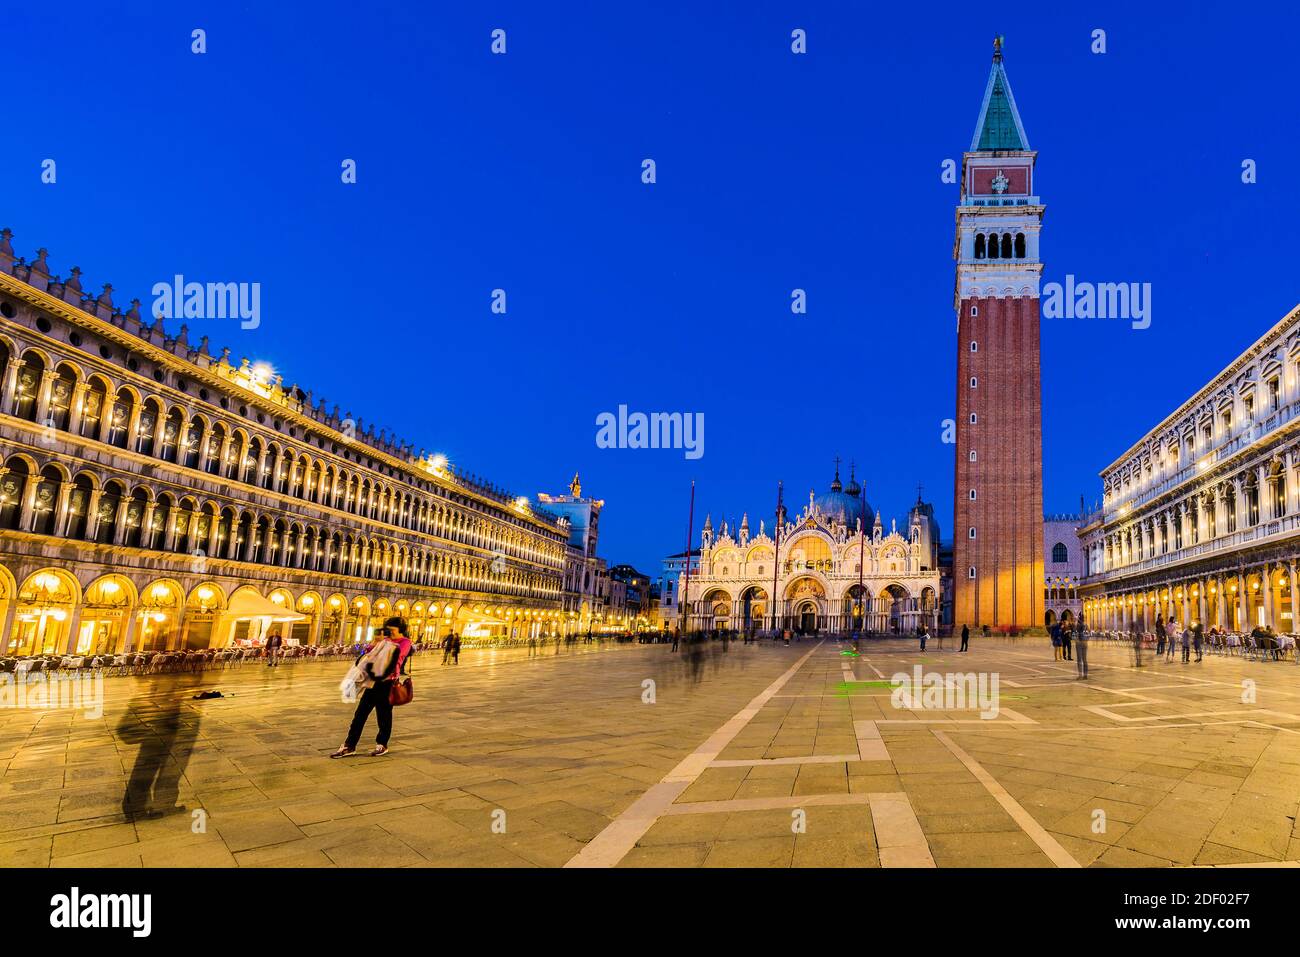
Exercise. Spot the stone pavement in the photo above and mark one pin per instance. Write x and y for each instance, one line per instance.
(768, 756)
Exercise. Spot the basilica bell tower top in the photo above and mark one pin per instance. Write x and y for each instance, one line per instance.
(998, 527)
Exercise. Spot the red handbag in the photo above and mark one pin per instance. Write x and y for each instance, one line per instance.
(400, 691)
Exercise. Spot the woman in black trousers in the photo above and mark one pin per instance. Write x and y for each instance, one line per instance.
(375, 697)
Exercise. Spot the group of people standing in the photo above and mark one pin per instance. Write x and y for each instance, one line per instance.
(1070, 643)
(1169, 635)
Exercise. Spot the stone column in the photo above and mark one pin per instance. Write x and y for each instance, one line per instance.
(76, 410)
(61, 509)
(27, 505)
(1266, 586)
(119, 522)
(11, 383)
(133, 427)
(45, 390)
(223, 466)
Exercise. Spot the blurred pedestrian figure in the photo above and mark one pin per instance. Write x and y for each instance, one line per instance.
(455, 649)
(1056, 641)
(1172, 628)
(273, 650)
(166, 738)
(1135, 635)
(923, 633)
(965, 637)
(1081, 649)
(939, 635)
(1065, 642)
(383, 663)
(446, 646)
(695, 656)
(1187, 645)
(1197, 638)
(1160, 635)
(677, 638)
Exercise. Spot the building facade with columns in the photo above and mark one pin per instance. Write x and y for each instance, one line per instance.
(1200, 519)
(1064, 563)
(833, 567)
(154, 496)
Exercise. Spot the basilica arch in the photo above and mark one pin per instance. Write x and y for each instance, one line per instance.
(717, 609)
(806, 607)
(753, 608)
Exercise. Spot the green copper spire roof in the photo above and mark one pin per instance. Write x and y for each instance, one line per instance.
(999, 126)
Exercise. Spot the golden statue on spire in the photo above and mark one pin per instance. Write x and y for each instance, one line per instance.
(575, 487)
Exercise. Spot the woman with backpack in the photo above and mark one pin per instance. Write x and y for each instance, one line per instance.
(384, 663)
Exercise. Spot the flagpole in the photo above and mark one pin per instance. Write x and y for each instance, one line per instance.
(690, 533)
(862, 556)
(776, 563)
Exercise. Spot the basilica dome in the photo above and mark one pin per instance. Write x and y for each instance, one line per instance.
(846, 505)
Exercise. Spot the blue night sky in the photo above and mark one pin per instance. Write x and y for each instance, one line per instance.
(775, 171)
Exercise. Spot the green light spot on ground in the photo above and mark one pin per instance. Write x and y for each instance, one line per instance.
(857, 687)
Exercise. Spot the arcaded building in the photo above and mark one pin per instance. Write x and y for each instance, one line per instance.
(156, 496)
(1200, 518)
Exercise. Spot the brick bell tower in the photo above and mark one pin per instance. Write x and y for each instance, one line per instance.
(998, 514)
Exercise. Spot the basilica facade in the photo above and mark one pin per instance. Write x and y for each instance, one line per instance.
(833, 569)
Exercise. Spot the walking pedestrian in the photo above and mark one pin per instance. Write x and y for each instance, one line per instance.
(455, 649)
(677, 637)
(1197, 629)
(273, 650)
(1160, 635)
(383, 663)
(1135, 634)
(1081, 649)
(1056, 641)
(1065, 642)
(923, 634)
(1172, 627)
(446, 646)
(965, 637)
(1187, 645)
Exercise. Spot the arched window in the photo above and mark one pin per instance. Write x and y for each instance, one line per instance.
(974, 382)
(993, 246)
(973, 418)
(1020, 245)
(1006, 245)
(979, 245)
(974, 346)
(1060, 554)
